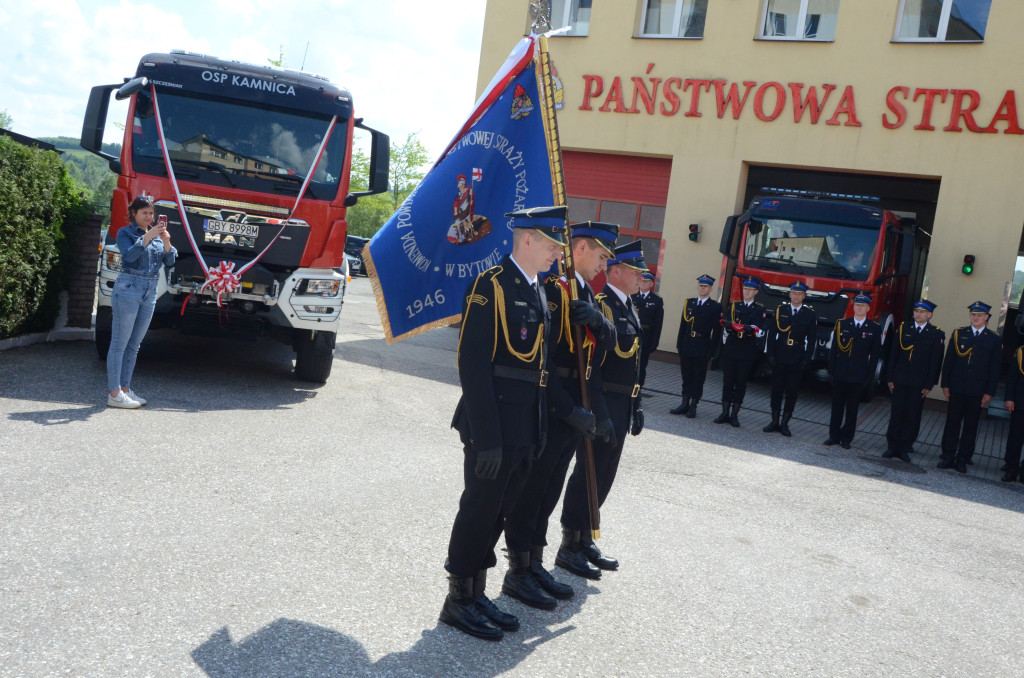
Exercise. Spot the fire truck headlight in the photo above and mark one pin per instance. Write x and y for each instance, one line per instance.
(112, 260)
(323, 288)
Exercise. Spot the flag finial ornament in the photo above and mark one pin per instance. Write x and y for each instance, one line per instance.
(540, 16)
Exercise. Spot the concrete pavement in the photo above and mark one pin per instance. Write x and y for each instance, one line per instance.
(246, 524)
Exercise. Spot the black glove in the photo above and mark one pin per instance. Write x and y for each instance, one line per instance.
(487, 463)
(582, 420)
(582, 313)
(605, 430)
(638, 421)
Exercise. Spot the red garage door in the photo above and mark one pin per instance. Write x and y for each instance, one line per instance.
(627, 190)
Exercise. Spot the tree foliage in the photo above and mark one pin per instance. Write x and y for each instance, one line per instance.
(37, 197)
(6, 121)
(407, 161)
(91, 171)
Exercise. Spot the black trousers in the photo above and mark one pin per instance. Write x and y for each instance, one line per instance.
(904, 418)
(482, 510)
(734, 379)
(786, 382)
(961, 431)
(527, 522)
(1014, 440)
(695, 373)
(845, 403)
(575, 507)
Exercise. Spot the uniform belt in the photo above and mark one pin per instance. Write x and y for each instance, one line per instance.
(540, 378)
(626, 389)
(571, 372)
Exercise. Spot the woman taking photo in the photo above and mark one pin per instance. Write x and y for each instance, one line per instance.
(144, 248)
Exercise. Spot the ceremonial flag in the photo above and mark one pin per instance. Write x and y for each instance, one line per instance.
(449, 230)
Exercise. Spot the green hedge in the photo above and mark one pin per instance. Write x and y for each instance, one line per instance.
(37, 197)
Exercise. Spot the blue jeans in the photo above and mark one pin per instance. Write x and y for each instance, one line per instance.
(132, 303)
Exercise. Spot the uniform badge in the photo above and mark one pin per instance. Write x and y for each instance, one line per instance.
(522, 333)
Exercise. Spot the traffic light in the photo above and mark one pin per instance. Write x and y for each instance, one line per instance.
(968, 267)
(694, 232)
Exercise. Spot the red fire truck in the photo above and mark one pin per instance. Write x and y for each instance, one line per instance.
(250, 166)
(838, 245)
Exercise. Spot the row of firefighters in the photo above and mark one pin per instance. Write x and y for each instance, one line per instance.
(546, 365)
(918, 358)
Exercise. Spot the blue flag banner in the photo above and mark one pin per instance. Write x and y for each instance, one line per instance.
(452, 227)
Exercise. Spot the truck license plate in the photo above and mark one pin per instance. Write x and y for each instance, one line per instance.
(230, 227)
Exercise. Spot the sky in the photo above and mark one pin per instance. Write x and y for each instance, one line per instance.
(410, 65)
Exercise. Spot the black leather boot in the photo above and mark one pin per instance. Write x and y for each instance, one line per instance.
(734, 415)
(571, 558)
(520, 583)
(784, 424)
(774, 426)
(724, 416)
(594, 555)
(544, 578)
(691, 411)
(503, 620)
(682, 409)
(461, 611)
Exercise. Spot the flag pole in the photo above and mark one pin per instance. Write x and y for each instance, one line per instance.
(558, 183)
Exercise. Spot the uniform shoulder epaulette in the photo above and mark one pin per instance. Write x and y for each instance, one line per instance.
(551, 278)
(810, 307)
(493, 271)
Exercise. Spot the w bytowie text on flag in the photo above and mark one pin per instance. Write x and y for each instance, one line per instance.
(452, 226)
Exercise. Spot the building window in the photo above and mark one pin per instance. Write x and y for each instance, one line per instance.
(813, 20)
(218, 154)
(572, 13)
(942, 20)
(673, 18)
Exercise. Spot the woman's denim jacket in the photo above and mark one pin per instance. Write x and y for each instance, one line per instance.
(139, 259)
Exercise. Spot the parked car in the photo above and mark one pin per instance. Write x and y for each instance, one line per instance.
(355, 264)
(354, 246)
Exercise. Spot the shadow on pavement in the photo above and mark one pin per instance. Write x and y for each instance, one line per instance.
(288, 648)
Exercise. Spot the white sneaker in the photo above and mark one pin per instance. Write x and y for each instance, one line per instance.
(123, 401)
(136, 397)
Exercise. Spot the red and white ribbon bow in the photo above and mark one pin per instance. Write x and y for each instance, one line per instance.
(222, 279)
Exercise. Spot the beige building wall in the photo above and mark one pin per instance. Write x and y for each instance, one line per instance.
(981, 202)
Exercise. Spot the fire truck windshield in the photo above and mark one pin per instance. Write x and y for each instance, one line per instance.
(230, 143)
(827, 250)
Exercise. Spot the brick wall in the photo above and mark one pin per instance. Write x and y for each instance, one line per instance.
(82, 289)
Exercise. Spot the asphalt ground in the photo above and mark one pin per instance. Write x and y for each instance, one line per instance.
(246, 524)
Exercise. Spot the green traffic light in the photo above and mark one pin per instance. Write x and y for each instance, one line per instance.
(967, 269)
(693, 237)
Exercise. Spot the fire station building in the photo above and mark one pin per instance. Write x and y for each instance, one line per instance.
(675, 113)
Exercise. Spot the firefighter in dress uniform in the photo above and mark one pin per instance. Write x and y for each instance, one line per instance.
(970, 375)
(616, 379)
(650, 308)
(743, 322)
(915, 361)
(501, 417)
(526, 526)
(698, 336)
(1015, 437)
(852, 360)
(791, 339)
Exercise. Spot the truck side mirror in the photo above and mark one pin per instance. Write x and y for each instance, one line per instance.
(728, 235)
(380, 159)
(96, 120)
(131, 87)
